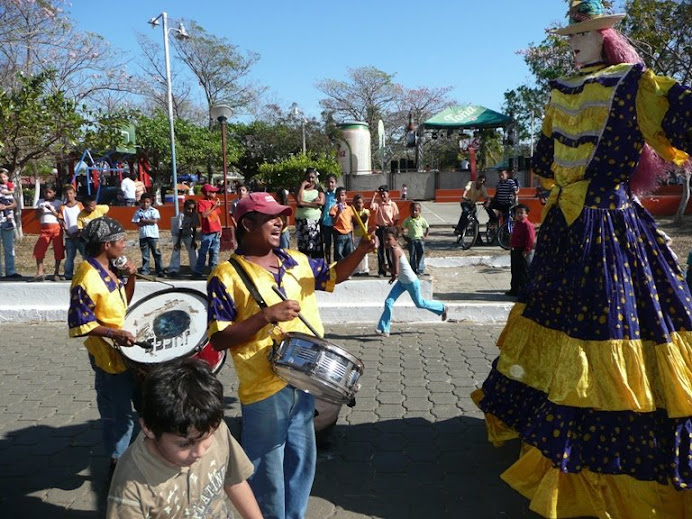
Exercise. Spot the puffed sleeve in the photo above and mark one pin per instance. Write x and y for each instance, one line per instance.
(664, 114)
(545, 151)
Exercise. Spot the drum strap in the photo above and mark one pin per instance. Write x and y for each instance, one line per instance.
(249, 284)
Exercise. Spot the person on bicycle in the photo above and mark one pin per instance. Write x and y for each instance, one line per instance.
(506, 192)
(472, 192)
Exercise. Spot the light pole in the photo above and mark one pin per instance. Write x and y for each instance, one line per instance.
(222, 113)
(297, 112)
(182, 35)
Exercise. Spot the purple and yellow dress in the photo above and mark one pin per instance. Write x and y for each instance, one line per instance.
(595, 366)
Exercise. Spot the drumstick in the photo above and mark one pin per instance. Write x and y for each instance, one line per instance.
(360, 223)
(300, 316)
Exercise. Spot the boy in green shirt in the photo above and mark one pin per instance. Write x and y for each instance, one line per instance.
(415, 229)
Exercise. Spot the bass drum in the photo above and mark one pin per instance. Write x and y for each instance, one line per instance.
(174, 322)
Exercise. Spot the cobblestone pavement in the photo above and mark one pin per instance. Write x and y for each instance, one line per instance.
(414, 446)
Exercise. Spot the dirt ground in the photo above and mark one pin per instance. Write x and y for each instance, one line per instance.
(441, 243)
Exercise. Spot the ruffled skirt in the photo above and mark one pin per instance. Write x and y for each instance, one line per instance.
(595, 372)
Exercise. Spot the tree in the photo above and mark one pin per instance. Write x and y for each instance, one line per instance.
(196, 146)
(221, 68)
(371, 95)
(38, 36)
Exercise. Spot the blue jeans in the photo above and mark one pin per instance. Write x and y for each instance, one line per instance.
(416, 254)
(414, 291)
(8, 249)
(115, 396)
(72, 245)
(343, 245)
(211, 243)
(146, 245)
(279, 438)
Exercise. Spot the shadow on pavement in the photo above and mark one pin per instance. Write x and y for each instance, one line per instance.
(480, 295)
(415, 468)
(63, 462)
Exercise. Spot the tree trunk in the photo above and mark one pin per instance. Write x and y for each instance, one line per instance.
(19, 197)
(685, 197)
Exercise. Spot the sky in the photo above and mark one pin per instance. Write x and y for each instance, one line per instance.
(471, 46)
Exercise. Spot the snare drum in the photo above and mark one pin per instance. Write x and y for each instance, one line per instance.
(174, 321)
(317, 366)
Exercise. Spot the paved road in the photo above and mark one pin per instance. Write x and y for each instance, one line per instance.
(413, 447)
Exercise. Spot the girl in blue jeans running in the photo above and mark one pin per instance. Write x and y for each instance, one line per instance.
(406, 281)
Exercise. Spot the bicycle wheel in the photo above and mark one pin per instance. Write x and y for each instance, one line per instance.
(468, 239)
(504, 236)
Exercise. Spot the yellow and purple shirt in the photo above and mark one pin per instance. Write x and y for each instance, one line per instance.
(97, 299)
(230, 302)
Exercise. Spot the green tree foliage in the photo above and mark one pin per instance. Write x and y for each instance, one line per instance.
(195, 146)
(36, 122)
(289, 172)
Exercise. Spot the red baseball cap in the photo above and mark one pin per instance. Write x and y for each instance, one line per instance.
(262, 203)
(208, 188)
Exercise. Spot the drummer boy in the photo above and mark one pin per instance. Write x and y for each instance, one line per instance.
(98, 304)
(278, 432)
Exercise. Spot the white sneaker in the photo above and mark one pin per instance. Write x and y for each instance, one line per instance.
(380, 332)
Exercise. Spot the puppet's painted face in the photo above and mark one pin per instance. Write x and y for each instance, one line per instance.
(587, 47)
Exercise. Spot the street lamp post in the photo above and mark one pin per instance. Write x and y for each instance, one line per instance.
(180, 34)
(297, 112)
(222, 113)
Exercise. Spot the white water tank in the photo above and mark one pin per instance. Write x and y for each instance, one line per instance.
(354, 149)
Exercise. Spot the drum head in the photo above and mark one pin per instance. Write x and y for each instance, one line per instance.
(174, 321)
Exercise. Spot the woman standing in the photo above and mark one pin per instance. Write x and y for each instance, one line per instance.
(310, 200)
(595, 369)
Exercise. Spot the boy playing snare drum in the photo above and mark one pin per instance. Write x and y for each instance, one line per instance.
(278, 431)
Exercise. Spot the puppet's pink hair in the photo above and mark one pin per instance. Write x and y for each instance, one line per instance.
(617, 49)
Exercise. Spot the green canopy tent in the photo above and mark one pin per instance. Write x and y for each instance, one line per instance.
(462, 117)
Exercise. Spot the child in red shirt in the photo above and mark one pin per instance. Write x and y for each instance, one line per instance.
(209, 215)
(522, 242)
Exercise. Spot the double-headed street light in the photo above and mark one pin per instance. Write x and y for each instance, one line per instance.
(181, 34)
(222, 113)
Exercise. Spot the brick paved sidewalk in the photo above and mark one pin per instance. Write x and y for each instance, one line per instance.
(413, 447)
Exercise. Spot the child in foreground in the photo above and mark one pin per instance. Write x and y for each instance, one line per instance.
(406, 281)
(185, 455)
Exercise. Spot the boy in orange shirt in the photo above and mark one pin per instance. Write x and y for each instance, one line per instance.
(342, 216)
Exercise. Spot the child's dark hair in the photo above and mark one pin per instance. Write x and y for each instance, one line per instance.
(68, 187)
(357, 197)
(145, 196)
(394, 231)
(522, 206)
(330, 176)
(414, 204)
(339, 190)
(383, 188)
(88, 199)
(190, 202)
(180, 396)
(282, 196)
(49, 187)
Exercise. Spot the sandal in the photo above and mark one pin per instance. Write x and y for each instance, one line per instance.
(37, 278)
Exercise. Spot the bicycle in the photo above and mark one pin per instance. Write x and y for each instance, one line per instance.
(504, 232)
(475, 219)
